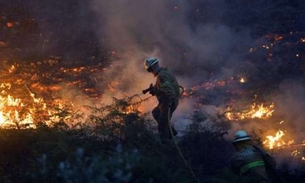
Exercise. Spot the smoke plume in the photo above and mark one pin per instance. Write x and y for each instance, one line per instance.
(133, 30)
(197, 50)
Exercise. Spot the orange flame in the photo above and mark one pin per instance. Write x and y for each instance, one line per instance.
(276, 140)
(15, 113)
(242, 80)
(9, 24)
(9, 114)
(256, 111)
(261, 111)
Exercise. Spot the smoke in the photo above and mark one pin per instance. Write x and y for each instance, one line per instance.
(289, 101)
(200, 41)
(163, 29)
(291, 104)
(203, 41)
(135, 29)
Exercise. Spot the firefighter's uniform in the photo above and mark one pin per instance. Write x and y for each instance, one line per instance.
(167, 92)
(248, 161)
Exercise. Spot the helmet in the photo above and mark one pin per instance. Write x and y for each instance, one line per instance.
(150, 61)
(241, 136)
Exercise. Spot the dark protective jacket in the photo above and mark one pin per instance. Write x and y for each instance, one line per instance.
(166, 86)
(249, 163)
(167, 91)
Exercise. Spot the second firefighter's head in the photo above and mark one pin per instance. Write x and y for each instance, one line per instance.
(242, 140)
(151, 64)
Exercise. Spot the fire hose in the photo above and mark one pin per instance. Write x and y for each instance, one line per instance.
(149, 89)
(178, 149)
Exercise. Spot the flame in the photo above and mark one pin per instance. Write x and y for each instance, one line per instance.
(10, 115)
(15, 113)
(206, 86)
(278, 37)
(128, 109)
(242, 80)
(298, 154)
(9, 24)
(24, 109)
(275, 141)
(256, 111)
(261, 111)
(12, 69)
(295, 153)
(266, 47)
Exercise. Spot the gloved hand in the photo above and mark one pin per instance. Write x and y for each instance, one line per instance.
(152, 91)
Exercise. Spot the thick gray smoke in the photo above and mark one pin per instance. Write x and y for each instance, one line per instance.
(135, 29)
(163, 29)
(291, 104)
(197, 50)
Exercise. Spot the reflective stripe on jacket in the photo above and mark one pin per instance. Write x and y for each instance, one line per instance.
(249, 163)
(248, 166)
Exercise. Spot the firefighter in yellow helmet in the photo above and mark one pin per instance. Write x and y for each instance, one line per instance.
(167, 91)
(251, 161)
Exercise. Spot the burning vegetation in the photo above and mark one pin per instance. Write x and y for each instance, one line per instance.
(59, 83)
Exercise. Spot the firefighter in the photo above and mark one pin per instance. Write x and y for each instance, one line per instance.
(167, 91)
(251, 161)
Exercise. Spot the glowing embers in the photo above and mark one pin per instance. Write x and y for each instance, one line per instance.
(207, 86)
(298, 154)
(255, 111)
(10, 24)
(242, 80)
(73, 70)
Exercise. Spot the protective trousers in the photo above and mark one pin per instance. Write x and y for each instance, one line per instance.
(162, 114)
